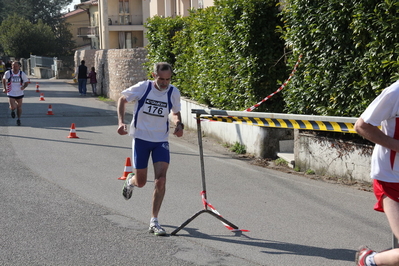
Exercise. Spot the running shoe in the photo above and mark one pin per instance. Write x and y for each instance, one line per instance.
(156, 229)
(127, 189)
(362, 254)
(12, 113)
(18, 122)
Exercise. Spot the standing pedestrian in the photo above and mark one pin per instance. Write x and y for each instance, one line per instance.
(93, 80)
(81, 73)
(2, 69)
(8, 65)
(384, 112)
(153, 101)
(15, 82)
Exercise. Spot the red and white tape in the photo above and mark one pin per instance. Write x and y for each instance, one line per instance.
(207, 204)
(277, 91)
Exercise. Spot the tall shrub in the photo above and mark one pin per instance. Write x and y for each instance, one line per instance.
(227, 56)
(257, 51)
(349, 54)
(160, 33)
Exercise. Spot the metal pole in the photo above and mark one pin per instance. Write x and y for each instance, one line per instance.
(201, 153)
(205, 210)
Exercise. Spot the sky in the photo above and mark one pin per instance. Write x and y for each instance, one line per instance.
(71, 6)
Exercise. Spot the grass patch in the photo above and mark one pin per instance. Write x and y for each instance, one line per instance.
(238, 148)
(281, 162)
(104, 99)
(309, 172)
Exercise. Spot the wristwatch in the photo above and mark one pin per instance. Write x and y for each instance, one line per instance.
(181, 124)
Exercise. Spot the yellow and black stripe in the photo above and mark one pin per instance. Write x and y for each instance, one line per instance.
(286, 123)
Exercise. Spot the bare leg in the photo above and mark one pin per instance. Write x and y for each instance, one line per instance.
(13, 104)
(160, 169)
(19, 107)
(390, 257)
(140, 177)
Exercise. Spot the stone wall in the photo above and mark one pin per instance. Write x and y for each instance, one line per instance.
(117, 69)
(331, 157)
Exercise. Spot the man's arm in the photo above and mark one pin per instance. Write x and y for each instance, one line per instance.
(25, 84)
(4, 83)
(374, 134)
(179, 125)
(122, 127)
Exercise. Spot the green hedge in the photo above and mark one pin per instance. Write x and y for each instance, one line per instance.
(232, 55)
(350, 53)
(228, 56)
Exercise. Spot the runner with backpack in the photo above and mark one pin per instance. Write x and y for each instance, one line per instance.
(15, 82)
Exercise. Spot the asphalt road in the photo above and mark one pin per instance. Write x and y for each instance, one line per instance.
(61, 200)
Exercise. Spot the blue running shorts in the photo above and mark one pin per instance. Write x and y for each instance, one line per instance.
(142, 150)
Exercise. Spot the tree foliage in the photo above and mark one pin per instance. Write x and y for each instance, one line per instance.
(350, 53)
(48, 11)
(20, 37)
(35, 18)
(225, 56)
(228, 56)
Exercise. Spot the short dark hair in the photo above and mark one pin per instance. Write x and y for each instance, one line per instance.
(82, 62)
(162, 66)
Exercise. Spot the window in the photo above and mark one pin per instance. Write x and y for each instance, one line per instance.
(124, 16)
(129, 40)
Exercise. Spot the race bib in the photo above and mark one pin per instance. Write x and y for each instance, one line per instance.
(155, 108)
(15, 79)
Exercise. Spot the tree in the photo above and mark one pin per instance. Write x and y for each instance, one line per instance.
(40, 13)
(63, 44)
(49, 11)
(20, 37)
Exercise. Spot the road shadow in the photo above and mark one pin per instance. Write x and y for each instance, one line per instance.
(36, 115)
(280, 248)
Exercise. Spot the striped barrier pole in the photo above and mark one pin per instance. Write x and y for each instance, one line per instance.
(213, 211)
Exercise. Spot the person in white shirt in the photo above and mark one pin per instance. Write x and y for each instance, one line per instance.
(153, 102)
(384, 112)
(15, 82)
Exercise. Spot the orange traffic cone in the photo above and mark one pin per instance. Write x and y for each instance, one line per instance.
(37, 87)
(50, 110)
(72, 133)
(41, 97)
(127, 170)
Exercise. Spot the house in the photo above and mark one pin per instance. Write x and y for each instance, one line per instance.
(90, 31)
(119, 24)
(77, 19)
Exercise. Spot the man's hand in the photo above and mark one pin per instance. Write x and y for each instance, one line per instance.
(122, 129)
(179, 130)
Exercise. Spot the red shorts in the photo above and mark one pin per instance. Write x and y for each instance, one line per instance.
(381, 188)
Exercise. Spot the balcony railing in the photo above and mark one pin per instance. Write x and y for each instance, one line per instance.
(125, 20)
(88, 31)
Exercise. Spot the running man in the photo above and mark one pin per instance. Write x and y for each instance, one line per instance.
(384, 111)
(15, 82)
(153, 101)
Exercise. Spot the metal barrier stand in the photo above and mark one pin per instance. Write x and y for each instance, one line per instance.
(205, 210)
